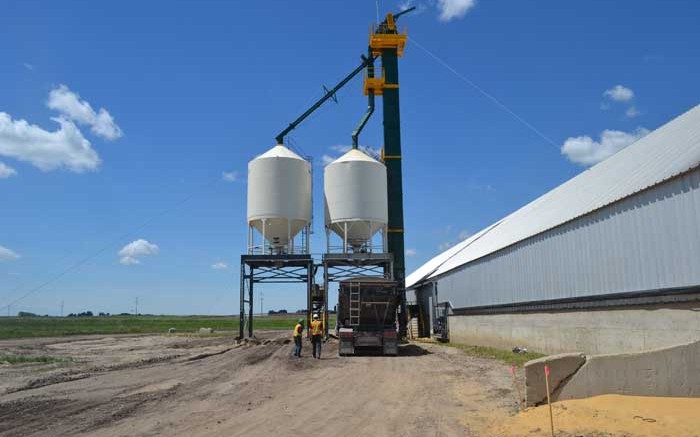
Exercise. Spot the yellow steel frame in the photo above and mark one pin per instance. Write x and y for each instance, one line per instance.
(376, 84)
(379, 41)
(385, 157)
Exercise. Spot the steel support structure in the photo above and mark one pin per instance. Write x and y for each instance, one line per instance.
(273, 269)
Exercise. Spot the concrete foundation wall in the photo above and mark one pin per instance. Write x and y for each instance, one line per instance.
(591, 332)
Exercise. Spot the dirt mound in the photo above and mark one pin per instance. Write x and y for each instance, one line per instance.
(609, 415)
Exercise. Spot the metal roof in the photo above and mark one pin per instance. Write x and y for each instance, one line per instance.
(672, 149)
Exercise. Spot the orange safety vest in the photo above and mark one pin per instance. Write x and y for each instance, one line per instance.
(298, 329)
(316, 327)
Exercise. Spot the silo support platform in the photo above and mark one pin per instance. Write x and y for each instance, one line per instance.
(272, 269)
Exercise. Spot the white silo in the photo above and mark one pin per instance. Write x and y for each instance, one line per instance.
(279, 201)
(355, 200)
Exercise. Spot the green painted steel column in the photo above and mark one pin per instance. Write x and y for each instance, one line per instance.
(392, 153)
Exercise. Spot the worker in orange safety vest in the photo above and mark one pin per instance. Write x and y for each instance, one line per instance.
(316, 329)
(298, 329)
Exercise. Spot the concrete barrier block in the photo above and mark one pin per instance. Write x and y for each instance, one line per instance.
(561, 367)
(673, 371)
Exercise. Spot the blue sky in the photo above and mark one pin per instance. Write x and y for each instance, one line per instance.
(118, 120)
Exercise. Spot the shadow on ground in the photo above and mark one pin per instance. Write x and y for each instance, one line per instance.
(407, 350)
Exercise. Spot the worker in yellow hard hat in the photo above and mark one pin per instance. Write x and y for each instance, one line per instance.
(316, 329)
(298, 329)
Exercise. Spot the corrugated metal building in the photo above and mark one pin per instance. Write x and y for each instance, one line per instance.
(624, 232)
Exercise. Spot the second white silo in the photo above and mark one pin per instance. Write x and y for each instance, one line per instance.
(355, 199)
(279, 200)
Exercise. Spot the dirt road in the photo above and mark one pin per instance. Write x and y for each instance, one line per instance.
(191, 386)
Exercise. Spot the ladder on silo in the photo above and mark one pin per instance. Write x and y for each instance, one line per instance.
(355, 304)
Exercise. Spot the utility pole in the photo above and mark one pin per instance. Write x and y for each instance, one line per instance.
(61, 308)
(261, 303)
(136, 306)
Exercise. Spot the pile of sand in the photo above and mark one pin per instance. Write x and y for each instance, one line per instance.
(608, 415)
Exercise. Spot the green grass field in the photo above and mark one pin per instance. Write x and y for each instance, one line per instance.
(21, 327)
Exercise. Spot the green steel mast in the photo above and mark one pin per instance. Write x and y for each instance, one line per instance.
(389, 44)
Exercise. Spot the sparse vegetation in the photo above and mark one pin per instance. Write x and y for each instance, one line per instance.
(25, 359)
(506, 356)
(503, 355)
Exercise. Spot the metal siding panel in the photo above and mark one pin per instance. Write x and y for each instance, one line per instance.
(645, 242)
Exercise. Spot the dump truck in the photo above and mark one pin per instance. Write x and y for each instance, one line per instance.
(367, 315)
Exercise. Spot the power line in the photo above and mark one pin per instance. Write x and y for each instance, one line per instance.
(110, 244)
(486, 94)
(24, 282)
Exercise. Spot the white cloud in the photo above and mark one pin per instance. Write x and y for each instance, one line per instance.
(619, 93)
(129, 261)
(229, 176)
(585, 151)
(65, 147)
(421, 6)
(632, 112)
(343, 149)
(481, 187)
(6, 171)
(461, 236)
(453, 9)
(411, 252)
(219, 266)
(371, 151)
(73, 108)
(7, 254)
(137, 248)
(405, 5)
(444, 246)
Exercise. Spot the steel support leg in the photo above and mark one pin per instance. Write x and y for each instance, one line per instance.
(309, 303)
(241, 316)
(250, 304)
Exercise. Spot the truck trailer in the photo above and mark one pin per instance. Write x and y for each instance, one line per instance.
(367, 315)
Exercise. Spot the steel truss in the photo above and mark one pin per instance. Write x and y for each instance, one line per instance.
(273, 269)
